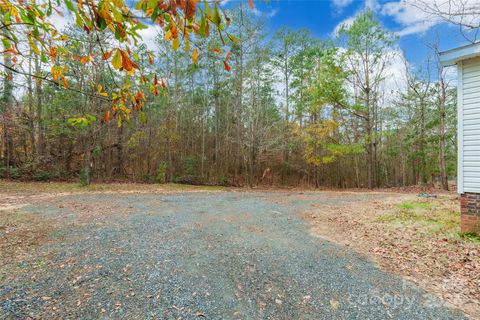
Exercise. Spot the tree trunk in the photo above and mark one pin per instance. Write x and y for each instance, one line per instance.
(87, 164)
(31, 112)
(40, 124)
(119, 153)
(6, 109)
(442, 137)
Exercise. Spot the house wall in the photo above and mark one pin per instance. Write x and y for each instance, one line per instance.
(469, 144)
(469, 126)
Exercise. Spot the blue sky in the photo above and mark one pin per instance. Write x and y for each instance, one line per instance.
(414, 28)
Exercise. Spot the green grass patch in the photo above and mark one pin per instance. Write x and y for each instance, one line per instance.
(409, 205)
(471, 237)
(433, 216)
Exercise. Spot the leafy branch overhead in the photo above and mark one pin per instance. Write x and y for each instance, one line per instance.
(28, 27)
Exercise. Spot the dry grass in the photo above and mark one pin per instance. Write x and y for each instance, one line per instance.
(69, 187)
(413, 237)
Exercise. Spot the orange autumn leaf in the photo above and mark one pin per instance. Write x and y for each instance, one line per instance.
(226, 65)
(107, 55)
(135, 65)
(65, 82)
(126, 61)
(53, 52)
(106, 116)
(190, 8)
(195, 56)
(11, 50)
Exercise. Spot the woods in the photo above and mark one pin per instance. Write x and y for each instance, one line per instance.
(245, 108)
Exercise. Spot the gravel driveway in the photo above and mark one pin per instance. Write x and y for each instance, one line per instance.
(211, 255)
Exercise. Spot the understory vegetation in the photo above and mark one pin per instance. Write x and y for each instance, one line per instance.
(288, 109)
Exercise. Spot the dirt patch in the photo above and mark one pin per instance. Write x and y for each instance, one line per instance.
(416, 238)
(21, 233)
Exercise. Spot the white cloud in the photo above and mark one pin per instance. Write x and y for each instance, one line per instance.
(148, 36)
(60, 21)
(264, 14)
(368, 4)
(372, 5)
(411, 19)
(418, 16)
(395, 71)
(345, 23)
(341, 3)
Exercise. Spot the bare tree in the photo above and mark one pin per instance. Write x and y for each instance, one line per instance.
(420, 88)
(443, 86)
(463, 13)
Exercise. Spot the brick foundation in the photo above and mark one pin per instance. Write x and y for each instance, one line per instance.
(470, 208)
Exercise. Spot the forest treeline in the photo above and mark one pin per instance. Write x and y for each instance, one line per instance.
(285, 109)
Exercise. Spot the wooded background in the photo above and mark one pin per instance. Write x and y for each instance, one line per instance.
(288, 109)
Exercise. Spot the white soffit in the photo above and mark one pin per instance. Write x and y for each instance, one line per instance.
(451, 57)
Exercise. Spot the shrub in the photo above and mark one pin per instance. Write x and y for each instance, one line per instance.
(162, 172)
(192, 180)
(84, 178)
(41, 176)
(189, 166)
(223, 181)
(13, 173)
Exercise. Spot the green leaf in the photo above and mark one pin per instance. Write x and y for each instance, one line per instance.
(175, 44)
(207, 9)
(78, 121)
(139, 5)
(6, 43)
(70, 5)
(139, 26)
(152, 4)
(142, 117)
(216, 18)
(78, 20)
(232, 38)
(117, 60)
(91, 118)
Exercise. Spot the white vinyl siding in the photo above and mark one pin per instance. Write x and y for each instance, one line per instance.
(469, 126)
